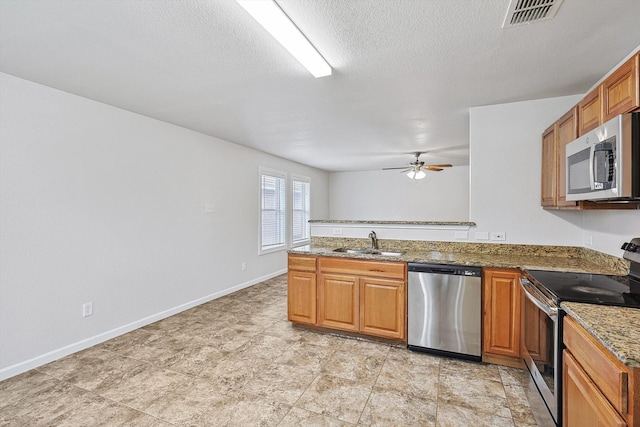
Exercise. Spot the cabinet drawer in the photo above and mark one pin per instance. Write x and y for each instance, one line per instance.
(608, 373)
(302, 263)
(359, 267)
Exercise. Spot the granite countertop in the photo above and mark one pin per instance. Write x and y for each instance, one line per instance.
(522, 261)
(617, 328)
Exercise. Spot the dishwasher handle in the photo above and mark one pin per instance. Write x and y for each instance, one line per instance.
(451, 270)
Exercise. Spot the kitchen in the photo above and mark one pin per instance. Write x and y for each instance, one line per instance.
(82, 213)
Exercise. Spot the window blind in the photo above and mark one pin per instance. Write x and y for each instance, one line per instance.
(273, 205)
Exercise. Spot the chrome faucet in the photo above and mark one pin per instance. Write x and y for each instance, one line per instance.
(374, 240)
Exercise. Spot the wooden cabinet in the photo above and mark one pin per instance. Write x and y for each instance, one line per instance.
(619, 93)
(554, 143)
(346, 294)
(598, 390)
(585, 406)
(590, 112)
(620, 90)
(549, 170)
(382, 307)
(338, 302)
(502, 322)
(301, 296)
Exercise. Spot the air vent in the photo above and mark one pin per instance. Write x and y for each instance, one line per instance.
(528, 11)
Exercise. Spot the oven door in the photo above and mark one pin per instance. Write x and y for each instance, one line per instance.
(542, 354)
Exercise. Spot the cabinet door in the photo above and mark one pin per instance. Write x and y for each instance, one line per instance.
(382, 307)
(301, 297)
(338, 297)
(620, 90)
(548, 196)
(567, 132)
(590, 112)
(583, 404)
(502, 297)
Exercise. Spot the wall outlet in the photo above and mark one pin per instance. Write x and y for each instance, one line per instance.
(208, 208)
(498, 235)
(588, 240)
(337, 231)
(244, 266)
(87, 309)
(482, 235)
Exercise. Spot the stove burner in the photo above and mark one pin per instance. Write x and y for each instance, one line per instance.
(594, 291)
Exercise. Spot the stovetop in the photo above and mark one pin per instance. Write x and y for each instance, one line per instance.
(590, 288)
(595, 288)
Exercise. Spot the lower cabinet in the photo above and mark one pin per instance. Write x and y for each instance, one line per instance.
(584, 405)
(302, 289)
(598, 390)
(502, 316)
(382, 307)
(338, 302)
(362, 296)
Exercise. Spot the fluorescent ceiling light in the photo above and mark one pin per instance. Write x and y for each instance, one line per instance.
(274, 20)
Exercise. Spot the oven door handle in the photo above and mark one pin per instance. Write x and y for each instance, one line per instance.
(537, 298)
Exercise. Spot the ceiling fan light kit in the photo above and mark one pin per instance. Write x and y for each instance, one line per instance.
(417, 168)
(416, 174)
(277, 23)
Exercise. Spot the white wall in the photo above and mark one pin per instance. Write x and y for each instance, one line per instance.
(103, 205)
(389, 195)
(505, 151)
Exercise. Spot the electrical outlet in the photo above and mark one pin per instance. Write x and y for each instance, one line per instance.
(337, 231)
(588, 240)
(87, 309)
(208, 208)
(498, 235)
(244, 266)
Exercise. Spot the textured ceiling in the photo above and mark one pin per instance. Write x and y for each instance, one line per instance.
(405, 71)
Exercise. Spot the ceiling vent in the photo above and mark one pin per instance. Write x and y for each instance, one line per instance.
(528, 11)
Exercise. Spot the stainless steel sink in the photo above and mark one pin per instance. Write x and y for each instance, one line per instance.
(368, 252)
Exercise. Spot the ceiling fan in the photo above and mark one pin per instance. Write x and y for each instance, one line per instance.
(417, 168)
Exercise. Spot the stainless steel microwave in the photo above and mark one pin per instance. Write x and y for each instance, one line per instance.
(604, 164)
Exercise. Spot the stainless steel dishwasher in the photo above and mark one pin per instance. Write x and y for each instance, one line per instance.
(444, 310)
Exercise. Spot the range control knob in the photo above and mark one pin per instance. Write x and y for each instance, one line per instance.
(631, 247)
(625, 245)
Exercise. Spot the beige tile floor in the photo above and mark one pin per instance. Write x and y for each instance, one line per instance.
(236, 361)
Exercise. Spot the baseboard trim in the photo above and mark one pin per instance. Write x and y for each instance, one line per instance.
(56, 354)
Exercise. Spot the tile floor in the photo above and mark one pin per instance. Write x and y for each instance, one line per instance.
(236, 361)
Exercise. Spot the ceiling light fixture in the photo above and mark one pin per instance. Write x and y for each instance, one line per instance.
(416, 174)
(277, 23)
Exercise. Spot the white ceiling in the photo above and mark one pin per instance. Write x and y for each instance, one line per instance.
(405, 71)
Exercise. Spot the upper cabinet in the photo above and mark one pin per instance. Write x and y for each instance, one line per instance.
(554, 143)
(590, 112)
(620, 90)
(619, 93)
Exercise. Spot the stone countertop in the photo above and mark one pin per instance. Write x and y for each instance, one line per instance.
(521, 261)
(370, 222)
(617, 328)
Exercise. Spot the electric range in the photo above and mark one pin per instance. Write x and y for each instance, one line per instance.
(603, 289)
(542, 324)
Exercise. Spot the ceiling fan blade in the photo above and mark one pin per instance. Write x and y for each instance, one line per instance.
(433, 169)
(446, 165)
(388, 169)
(407, 170)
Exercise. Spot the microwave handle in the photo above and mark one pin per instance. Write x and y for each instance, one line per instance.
(592, 151)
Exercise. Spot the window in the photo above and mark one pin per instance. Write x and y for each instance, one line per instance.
(273, 206)
(301, 210)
